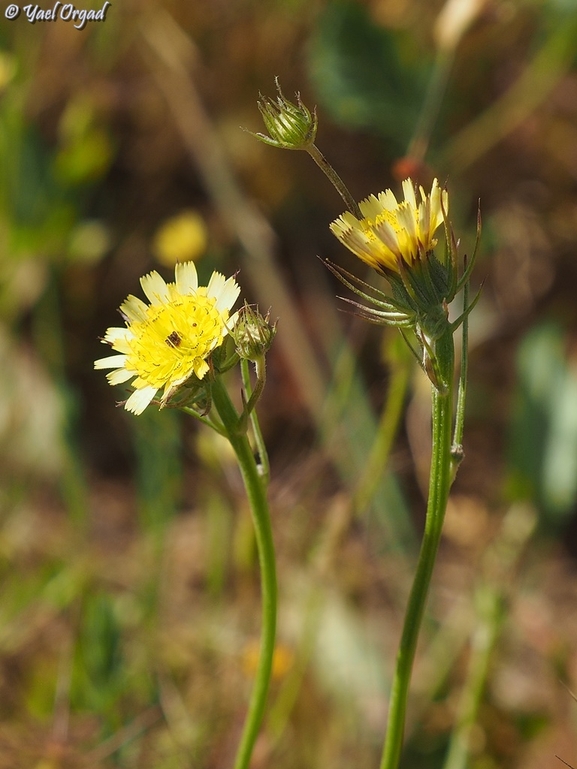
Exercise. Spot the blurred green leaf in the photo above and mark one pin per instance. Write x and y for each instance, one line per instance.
(560, 461)
(157, 444)
(543, 436)
(85, 159)
(100, 670)
(86, 149)
(33, 206)
(362, 76)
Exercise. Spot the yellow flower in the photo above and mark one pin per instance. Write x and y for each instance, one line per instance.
(389, 230)
(180, 238)
(169, 340)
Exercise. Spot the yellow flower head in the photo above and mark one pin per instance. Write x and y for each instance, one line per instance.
(180, 238)
(167, 341)
(389, 230)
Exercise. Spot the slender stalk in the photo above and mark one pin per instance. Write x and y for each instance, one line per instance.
(439, 485)
(256, 493)
(263, 461)
(498, 566)
(433, 99)
(515, 105)
(335, 180)
(457, 448)
(205, 420)
(387, 429)
(489, 605)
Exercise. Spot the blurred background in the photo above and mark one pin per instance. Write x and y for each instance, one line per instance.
(129, 590)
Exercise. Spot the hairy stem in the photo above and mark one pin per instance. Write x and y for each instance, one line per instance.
(439, 485)
(262, 454)
(335, 180)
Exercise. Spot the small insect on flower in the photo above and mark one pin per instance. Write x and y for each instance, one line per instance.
(173, 339)
(168, 341)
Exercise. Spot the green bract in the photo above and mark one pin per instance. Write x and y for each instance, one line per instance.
(290, 126)
(253, 334)
(420, 297)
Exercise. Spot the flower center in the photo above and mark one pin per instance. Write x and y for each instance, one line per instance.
(390, 217)
(175, 338)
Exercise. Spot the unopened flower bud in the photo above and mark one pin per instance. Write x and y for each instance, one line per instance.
(290, 126)
(252, 333)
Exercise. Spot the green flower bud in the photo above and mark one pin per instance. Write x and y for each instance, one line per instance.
(252, 333)
(290, 126)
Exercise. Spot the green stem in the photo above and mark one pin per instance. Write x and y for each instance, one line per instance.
(256, 493)
(401, 367)
(439, 485)
(205, 420)
(457, 448)
(335, 180)
(260, 365)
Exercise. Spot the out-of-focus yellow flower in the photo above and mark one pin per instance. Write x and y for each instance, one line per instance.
(282, 660)
(389, 230)
(89, 241)
(181, 238)
(168, 341)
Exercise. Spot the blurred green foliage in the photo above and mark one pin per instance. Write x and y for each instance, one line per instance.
(366, 76)
(99, 673)
(543, 438)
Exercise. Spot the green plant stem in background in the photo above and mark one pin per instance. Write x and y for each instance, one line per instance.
(437, 86)
(497, 568)
(439, 486)
(524, 96)
(256, 492)
(401, 367)
(489, 606)
(47, 328)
